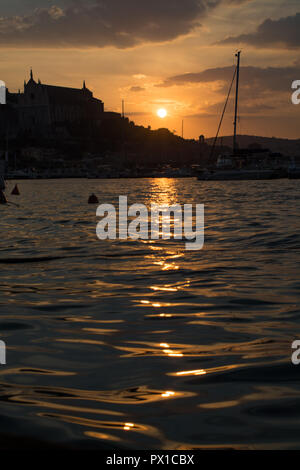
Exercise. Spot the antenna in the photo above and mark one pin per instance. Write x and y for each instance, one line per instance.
(123, 109)
(238, 54)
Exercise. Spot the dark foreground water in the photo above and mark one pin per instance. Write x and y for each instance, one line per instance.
(144, 345)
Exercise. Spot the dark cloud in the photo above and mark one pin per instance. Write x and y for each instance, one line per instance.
(100, 23)
(21, 7)
(246, 107)
(263, 91)
(103, 23)
(254, 81)
(283, 33)
(136, 89)
(206, 76)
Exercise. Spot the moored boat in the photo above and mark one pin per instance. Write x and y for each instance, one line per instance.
(241, 174)
(241, 164)
(293, 171)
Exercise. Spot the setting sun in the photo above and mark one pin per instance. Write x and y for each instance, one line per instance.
(162, 113)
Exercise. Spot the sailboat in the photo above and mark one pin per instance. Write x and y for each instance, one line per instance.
(235, 166)
(293, 170)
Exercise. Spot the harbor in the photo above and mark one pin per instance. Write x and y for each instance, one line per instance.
(150, 230)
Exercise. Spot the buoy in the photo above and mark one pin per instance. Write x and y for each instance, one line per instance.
(2, 198)
(16, 191)
(93, 199)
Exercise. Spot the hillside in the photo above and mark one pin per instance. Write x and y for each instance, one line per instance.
(285, 146)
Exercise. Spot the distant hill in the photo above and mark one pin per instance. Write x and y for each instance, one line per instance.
(290, 147)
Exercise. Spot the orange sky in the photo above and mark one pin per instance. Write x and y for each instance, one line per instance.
(143, 59)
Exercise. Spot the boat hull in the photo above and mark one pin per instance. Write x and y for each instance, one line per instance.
(294, 174)
(238, 175)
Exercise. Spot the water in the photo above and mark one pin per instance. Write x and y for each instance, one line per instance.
(143, 345)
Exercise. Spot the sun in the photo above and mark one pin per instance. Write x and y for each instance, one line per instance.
(162, 113)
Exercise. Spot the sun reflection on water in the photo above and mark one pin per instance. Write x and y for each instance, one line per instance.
(191, 372)
(168, 394)
(147, 334)
(128, 426)
(170, 352)
(163, 191)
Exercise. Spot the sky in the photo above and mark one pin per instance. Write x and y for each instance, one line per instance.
(172, 54)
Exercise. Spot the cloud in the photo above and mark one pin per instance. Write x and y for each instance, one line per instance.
(263, 91)
(139, 76)
(283, 33)
(255, 81)
(101, 23)
(137, 89)
(246, 107)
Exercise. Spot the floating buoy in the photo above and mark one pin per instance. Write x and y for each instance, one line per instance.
(2, 198)
(93, 199)
(16, 191)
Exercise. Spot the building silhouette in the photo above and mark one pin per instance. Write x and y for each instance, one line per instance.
(46, 109)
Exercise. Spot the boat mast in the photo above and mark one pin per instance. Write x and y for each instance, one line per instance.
(236, 101)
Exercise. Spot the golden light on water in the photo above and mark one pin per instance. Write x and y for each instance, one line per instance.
(191, 372)
(221, 404)
(101, 435)
(128, 426)
(168, 394)
(170, 352)
(166, 289)
(168, 267)
(154, 304)
(163, 191)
